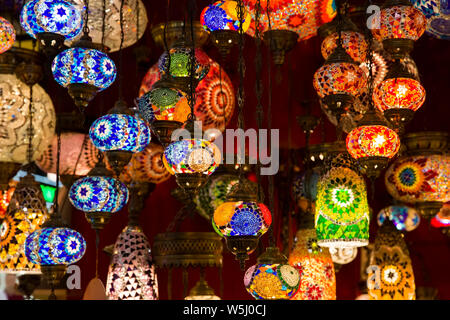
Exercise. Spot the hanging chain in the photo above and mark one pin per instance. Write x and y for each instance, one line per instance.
(241, 69)
(103, 23)
(30, 131)
(192, 61)
(370, 80)
(86, 18)
(122, 35)
(258, 88)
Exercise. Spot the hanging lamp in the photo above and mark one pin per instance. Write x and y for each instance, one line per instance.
(7, 35)
(51, 23)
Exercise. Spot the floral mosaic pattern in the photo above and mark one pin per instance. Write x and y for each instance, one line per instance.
(84, 66)
(419, 178)
(7, 35)
(272, 281)
(402, 93)
(222, 15)
(373, 141)
(55, 246)
(318, 280)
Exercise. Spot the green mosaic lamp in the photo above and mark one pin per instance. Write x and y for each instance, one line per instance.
(342, 210)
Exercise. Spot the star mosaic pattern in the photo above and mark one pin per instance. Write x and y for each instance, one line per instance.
(399, 93)
(132, 273)
(84, 66)
(222, 15)
(241, 219)
(404, 218)
(55, 246)
(272, 281)
(56, 16)
(318, 280)
(373, 141)
(98, 194)
(7, 35)
(120, 132)
(419, 178)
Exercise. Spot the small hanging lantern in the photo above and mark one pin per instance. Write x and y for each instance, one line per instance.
(119, 134)
(51, 22)
(399, 95)
(280, 43)
(221, 20)
(400, 25)
(272, 278)
(403, 217)
(242, 220)
(7, 35)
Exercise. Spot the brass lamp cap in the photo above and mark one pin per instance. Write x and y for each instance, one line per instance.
(244, 190)
(272, 255)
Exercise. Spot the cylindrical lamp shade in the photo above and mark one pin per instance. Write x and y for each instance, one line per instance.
(121, 132)
(14, 108)
(339, 78)
(241, 219)
(372, 141)
(272, 281)
(7, 35)
(222, 15)
(84, 66)
(215, 94)
(192, 156)
(353, 42)
(55, 246)
(404, 218)
(342, 211)
(78, 155)
(391, 275)
(134, 22)
(419, 178)
(318, 280)
(132, 273)
(56, 16)
(301, 16)
(146, 166)
(98, 194)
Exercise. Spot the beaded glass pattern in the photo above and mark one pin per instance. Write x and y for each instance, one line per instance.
(318, 280)
(55, 246)
(419, 178)
(84, 66)
(241, 219)
(98, 194)
(192, 156)
(222, 15)
(132, 274)
(120, 132)
(56, 16)
(403, 93)
(7, 35)
(373, 141)
(301, 16)
(272, 281)
(404, 218)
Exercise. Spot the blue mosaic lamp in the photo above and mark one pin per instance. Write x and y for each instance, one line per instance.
(98, 195)
(437, 13)
(51, 23)
(404, 218)
(119, 134)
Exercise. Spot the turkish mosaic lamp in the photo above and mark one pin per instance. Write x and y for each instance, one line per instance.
(437, 13)
(7, 35)
(403, 217)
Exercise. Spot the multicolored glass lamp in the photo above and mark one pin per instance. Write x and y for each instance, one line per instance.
(242, 220)
(342, 211)
(400, 26)
(399, 96)
(51, 23)
(221, 20)
(272, 278)
(403, 217)
(420, 177)
(7, 35)
(437, 13)
(84, 70)
(339, 81)
(391, 275)
(119, 134)
(98, 195)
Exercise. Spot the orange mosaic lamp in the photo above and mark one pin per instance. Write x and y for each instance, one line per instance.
(399, 96)
(391, 274)
(353, 42)
(400, 25)
(339, 81)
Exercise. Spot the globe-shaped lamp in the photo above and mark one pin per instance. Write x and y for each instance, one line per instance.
(7, 35)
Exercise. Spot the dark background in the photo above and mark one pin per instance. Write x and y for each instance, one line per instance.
(429, 248)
